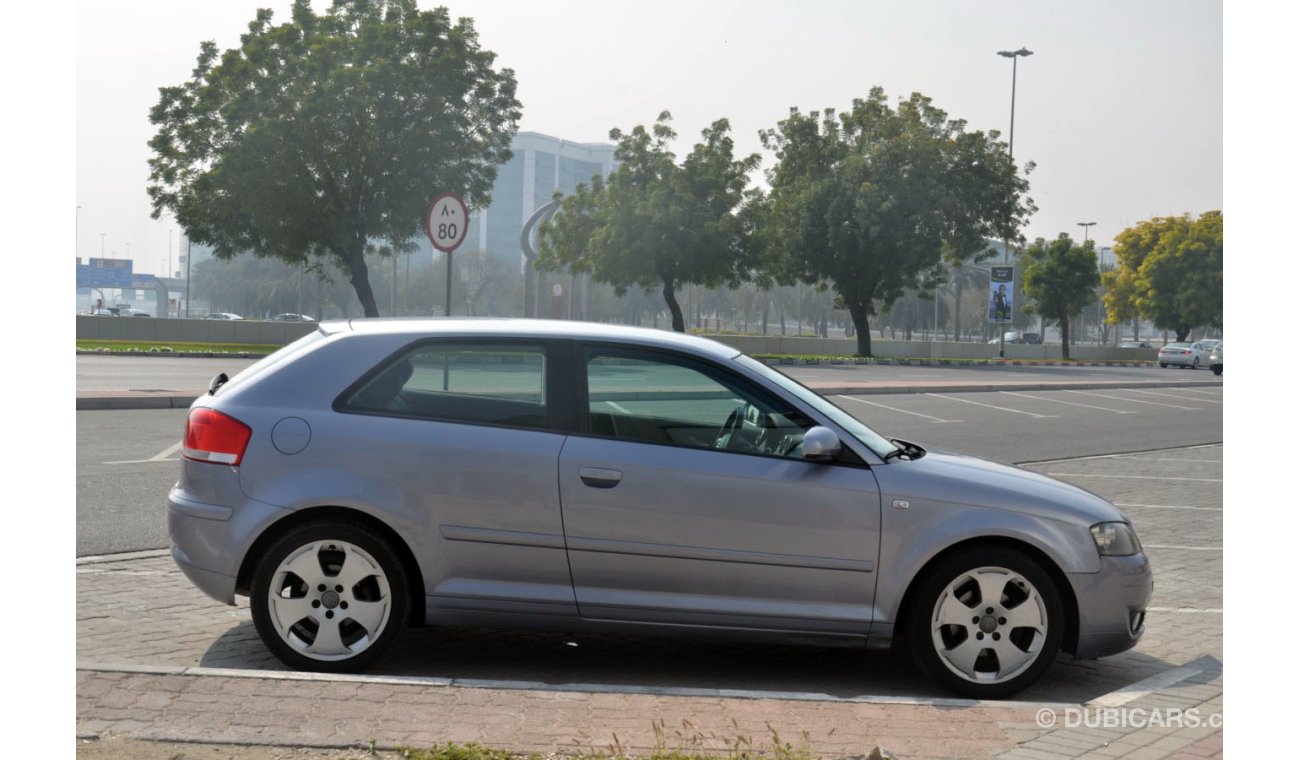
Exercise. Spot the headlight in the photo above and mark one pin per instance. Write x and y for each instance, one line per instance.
(1115, 539)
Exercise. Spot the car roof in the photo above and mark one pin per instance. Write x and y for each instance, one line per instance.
(530, 328)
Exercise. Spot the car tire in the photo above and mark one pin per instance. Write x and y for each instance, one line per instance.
(336, 579)
(1163, 365)
(1196, 362)
(1216, 369)
(951, 632)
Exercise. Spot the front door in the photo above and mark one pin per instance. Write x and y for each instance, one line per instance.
(686, 500)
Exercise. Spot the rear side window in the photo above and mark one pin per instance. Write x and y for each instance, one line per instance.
(273, 360)
(482, 384)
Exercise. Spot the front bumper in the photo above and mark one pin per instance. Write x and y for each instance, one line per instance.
(1112, 605)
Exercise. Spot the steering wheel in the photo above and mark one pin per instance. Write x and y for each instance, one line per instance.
(727, 433)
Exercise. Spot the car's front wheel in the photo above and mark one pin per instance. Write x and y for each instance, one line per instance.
(986, 622)
(1164, 365)
(329, 596)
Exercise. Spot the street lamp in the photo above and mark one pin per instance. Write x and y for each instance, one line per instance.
(103, 236)
(1085, 226)
(1014, 55)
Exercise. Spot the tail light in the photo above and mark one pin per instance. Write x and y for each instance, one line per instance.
(211, 436)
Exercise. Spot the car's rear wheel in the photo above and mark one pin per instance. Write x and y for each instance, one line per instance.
(1164, 365)
(986, 622)
(1196, 362)
(330, 596)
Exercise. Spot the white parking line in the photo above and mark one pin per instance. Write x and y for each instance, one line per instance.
(1145, 687)
(1170, 395)
(990, 406)
(1189, 461)
(1071, 403)
(1168, 506)
(892, 409)
(1189, 610)
(1218, 392)
(163, 456)
(1128, 477)
(1134, 400)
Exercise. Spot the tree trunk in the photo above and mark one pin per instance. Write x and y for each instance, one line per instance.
(1065, 337)
(1181, 333)
(679, 325)
(355, 259)
(859, 314)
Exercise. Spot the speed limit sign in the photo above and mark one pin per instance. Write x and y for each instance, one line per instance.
(447, 223)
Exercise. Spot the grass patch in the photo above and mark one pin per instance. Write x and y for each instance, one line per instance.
(685, 743)
(145, 346)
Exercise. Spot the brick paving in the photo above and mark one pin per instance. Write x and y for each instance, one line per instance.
(150, 648)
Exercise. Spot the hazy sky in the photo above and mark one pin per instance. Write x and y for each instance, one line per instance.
(1121, 105)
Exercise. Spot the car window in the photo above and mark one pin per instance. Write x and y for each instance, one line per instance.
(657, 398)
(485, 384)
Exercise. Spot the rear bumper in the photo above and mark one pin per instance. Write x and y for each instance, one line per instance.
(1112, 605)
(209, 540)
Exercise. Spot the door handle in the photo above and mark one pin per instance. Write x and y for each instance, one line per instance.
(598, 477)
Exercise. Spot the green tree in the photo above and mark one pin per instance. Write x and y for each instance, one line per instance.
(656, 222)
(874, 199)
(317, 136)
(1060, 278)
(1170, 271)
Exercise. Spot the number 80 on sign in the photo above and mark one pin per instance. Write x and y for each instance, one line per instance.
(447, 223)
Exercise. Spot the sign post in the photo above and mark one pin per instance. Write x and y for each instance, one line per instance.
(447, 225)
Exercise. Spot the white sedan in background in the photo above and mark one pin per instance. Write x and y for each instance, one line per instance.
(1192, 355)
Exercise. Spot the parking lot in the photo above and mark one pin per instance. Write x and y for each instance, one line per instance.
(1155, 452)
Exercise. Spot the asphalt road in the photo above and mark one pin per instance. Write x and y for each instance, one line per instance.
(122, 373)
(126, 460)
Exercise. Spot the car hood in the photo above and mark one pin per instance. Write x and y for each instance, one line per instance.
(955, 478)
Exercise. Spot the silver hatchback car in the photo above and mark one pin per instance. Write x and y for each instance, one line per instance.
(584, 477)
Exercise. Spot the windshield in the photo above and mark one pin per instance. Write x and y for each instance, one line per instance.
(870, 438)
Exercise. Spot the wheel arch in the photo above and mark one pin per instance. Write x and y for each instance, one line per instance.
(298, 518)
(1069, 603)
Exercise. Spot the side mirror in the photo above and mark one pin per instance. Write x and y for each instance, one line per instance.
(820, 444)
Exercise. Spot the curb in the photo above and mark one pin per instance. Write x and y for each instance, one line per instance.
(926, 362)
(123, 402)
(180, 354)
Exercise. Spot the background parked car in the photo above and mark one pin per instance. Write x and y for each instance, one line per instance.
(133, 313)
(222, 315)
(1192, 355)
(1216, 359)
(292, 318)
(1135, 344)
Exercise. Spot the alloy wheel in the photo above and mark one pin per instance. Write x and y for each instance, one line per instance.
(989, 625)
(329, 600)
